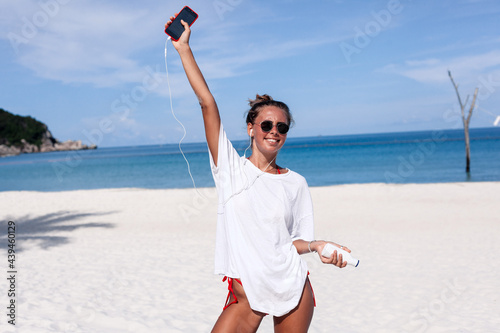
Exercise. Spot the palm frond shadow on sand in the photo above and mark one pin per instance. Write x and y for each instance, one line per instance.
(46, 229)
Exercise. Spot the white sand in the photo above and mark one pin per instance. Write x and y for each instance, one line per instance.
(134, 260)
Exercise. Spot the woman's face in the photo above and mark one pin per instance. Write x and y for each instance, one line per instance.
(272, 141)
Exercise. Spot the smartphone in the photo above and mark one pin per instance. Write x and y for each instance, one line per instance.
(175, 29)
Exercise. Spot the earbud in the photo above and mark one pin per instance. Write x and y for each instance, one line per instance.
(251, 132)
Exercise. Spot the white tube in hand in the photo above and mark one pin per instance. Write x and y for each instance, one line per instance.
(346, 256)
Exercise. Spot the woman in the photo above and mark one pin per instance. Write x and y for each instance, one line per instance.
(265, 216)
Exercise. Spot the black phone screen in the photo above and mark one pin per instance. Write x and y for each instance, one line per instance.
(176, 29)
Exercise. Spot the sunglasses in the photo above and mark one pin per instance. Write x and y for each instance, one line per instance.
(268, 125)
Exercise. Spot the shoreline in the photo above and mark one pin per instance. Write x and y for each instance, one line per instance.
(212, 188)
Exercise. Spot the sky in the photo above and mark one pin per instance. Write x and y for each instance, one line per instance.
(95, 70)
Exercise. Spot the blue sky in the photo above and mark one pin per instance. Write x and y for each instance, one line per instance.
(95, 71)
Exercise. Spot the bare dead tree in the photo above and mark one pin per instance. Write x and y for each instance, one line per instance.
(465, 120)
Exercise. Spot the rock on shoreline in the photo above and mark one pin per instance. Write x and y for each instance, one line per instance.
(49, 143)
(45, 147)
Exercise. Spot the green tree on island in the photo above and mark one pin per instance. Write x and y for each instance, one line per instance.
(14, 128)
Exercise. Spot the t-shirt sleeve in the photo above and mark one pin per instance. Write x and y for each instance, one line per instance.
(303, 226)
(228, 163)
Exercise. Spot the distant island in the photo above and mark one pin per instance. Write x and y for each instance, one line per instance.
(20, 135)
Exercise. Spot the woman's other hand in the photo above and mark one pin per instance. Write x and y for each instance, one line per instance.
(335, 258)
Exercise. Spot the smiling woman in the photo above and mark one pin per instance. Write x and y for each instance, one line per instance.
(265, 216)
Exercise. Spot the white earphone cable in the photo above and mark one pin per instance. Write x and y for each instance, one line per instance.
(180, 123)
(248, 184)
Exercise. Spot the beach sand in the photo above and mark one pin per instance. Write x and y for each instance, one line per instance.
(137, 260)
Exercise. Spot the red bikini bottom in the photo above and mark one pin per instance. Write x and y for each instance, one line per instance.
(231, 291)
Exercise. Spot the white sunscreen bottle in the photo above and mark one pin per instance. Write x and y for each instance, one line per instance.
(346, 256)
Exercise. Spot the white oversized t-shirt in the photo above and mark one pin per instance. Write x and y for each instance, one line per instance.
(259, 215)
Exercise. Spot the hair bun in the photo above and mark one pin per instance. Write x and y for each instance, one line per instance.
(259, 99)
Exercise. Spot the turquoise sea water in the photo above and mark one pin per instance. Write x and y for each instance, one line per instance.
(409, 157)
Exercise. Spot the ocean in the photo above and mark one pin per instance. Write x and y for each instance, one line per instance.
(407, 157)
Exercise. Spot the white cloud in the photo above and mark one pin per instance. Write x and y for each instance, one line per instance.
(467, 68)
(91, 42)
(113, 127)
(237, 61)
(106, 44)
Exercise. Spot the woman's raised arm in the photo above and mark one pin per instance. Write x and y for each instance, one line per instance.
(211, 117)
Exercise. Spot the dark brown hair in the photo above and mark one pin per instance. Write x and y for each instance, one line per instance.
(265, 100)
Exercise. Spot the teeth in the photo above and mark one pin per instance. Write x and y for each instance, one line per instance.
(272, 140)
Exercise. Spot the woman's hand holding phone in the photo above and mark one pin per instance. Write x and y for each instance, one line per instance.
(178, 27)
(184, 39)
